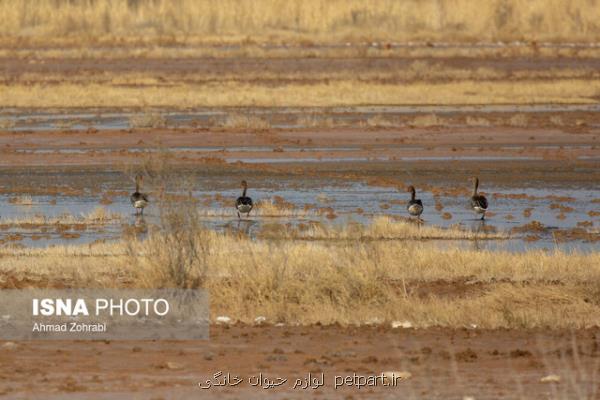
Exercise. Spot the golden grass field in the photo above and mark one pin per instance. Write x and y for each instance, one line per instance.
(339, 93)
(421, 82)
(34, 35)
(380, 273)
(300, 21)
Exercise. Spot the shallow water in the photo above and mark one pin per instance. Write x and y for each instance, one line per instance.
(282, 117)
(344, 197)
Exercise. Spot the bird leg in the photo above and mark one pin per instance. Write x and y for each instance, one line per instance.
(239, 216)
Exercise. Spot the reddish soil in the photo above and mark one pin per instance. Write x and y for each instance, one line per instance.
(443, 364)
(282, 68)
(382, 144)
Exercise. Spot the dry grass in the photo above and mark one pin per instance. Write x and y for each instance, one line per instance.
(381, 228)
(184, 49)
(245, 121)
(351, 282)
(427, 72)
(477, 121)
(147, 120)
(420, 82)
(266, 208)
(23, 200)
(342, 92)
(7, 123)
(363, 283)
(423, 121)
(380, 121)
(178, 256)
(306, 21)
(98, 216)
(314, 120)
(519, 120)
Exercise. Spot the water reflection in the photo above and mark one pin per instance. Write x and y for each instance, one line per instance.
(217, 193)
(246, 226)
(140, 223)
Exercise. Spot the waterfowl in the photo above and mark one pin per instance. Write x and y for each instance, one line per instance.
(479, 203)
(414, 206)
(243, 203)
(139, 200)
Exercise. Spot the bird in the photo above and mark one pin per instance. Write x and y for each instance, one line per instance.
(479, 203)
(243, 203)
(414, 206)
(139, 200)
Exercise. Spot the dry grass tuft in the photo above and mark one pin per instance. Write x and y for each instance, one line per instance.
(246, 121)
(477, 121)
(7, 123)
(265, 208)
(380, 121)
(147, 120)
(519, 120)
(98, 216)
(23, 200)
(381, 228)
(176, 254)
(316, 120)
(425, 121)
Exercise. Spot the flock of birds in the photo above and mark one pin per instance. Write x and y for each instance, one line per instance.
(244, 204)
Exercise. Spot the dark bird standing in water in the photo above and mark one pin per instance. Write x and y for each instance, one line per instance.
(479, 203)
(243, 203)
(414, 206)
(139, 200)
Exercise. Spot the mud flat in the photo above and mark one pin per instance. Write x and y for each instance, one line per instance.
(442, 363)
(532, 175)
(266, 144)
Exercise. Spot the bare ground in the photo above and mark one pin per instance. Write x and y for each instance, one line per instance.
(443, 364)
(111, 147)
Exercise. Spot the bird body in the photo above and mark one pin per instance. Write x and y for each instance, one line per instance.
(479, 203)
(244, 204)
(414, 206)
(138, 199)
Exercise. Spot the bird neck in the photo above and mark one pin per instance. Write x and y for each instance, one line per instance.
(244, 192)
(137, 185)
(475, 186)
(412, 194)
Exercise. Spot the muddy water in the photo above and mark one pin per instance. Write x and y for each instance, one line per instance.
(283, 117)
(556, 207)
